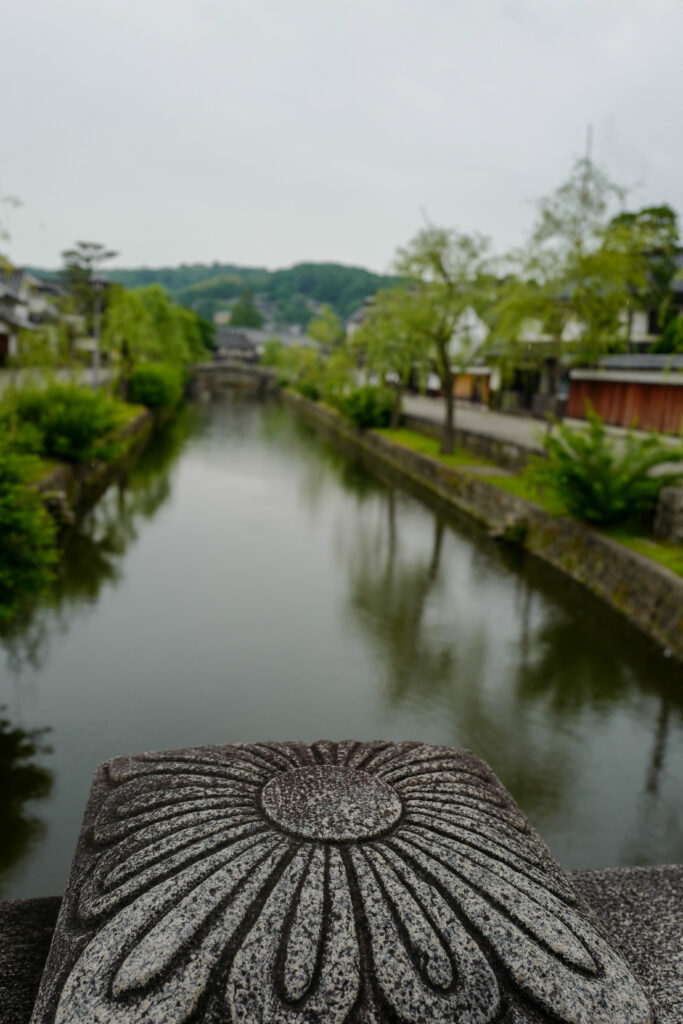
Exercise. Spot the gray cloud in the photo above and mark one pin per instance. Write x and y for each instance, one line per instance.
(264, 132)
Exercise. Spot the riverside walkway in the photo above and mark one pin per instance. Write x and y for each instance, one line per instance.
(480, 420)
(520, 430)
(85, 376)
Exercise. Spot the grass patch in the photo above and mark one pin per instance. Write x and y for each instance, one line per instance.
(665, 552)
(432, 446)
(131, 412)
(41, 468)
(521, 487)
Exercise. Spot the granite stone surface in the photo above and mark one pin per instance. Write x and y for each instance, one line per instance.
(26, 928)
(642, 910)
(359, 882)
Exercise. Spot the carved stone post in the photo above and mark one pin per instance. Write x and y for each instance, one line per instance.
(338, 882)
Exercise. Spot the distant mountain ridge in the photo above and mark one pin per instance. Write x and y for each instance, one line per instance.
(289, 296)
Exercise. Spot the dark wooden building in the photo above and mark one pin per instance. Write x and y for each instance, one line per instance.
(640, 391)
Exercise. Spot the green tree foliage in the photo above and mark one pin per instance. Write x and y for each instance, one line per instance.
(168, 324)
(81, 264)
(64, 421)
(579, 273)
(156, 385)
(447, 269)
(144, 324)
(343, 288)
(197, 333)
(310, 372)
(395, 339)
(27, 535)
(206, 297)
(42, 346)
(602, 479)
(244, 312)
(294, 309)
(671, 339)
(368, 407)
(128, 329)
(273, 351)
(651, 237)
(300, 367)
(336, 374)
(325, 328)
(294, 293)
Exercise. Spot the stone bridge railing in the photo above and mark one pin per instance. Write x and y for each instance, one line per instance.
(338, 882)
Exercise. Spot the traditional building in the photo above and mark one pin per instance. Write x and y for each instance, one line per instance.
(641, 391)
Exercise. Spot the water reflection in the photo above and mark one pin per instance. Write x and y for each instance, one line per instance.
(431, 656)
(388, 599)
(525, 713)
(93, 551)
(22, 779)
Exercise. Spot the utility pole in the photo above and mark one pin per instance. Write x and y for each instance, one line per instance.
(98, 285)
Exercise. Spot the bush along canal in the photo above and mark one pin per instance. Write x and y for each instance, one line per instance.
(61, 445)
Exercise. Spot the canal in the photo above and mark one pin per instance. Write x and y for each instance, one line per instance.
(250, 581)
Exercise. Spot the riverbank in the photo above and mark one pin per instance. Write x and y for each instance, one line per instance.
(69, 489)
(647, 594)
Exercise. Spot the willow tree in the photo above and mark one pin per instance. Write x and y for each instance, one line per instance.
(446, 268)
(576, 280)
(395, 339)
(326, 328)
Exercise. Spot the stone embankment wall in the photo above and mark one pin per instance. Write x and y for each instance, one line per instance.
(669, 517)
(504, 453)
(669, 521)
(68, 489)
(649, 595)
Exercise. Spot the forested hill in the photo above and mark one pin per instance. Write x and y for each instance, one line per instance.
(285, 296)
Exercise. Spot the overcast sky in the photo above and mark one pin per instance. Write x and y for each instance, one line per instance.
(266, 132)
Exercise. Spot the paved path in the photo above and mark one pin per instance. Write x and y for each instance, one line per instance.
(479, 420)
(521, 430)
(84, 376)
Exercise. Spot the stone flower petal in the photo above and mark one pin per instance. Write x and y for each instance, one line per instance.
(549, 976)
(413, 959)
(259, 990)
(300, 945)
(87, 994)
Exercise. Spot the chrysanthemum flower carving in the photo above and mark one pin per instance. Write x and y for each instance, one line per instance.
(342, 882)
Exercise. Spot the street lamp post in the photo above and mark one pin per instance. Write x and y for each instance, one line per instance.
(98, 285)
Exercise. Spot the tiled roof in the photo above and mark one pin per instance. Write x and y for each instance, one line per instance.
(228, 337)
(643, 361)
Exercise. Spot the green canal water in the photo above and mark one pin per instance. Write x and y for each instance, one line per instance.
(250, 581)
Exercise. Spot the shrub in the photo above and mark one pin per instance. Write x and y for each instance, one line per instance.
(273, 351)
(602, 479)
(368, 407)
(27, 536)
(308, 388)
(65, 421)
(156, 385)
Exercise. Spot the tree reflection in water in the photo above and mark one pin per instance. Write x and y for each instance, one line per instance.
(389, 596)
(92, 552)
(411, 611)
(22, 780)
(431, 656)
